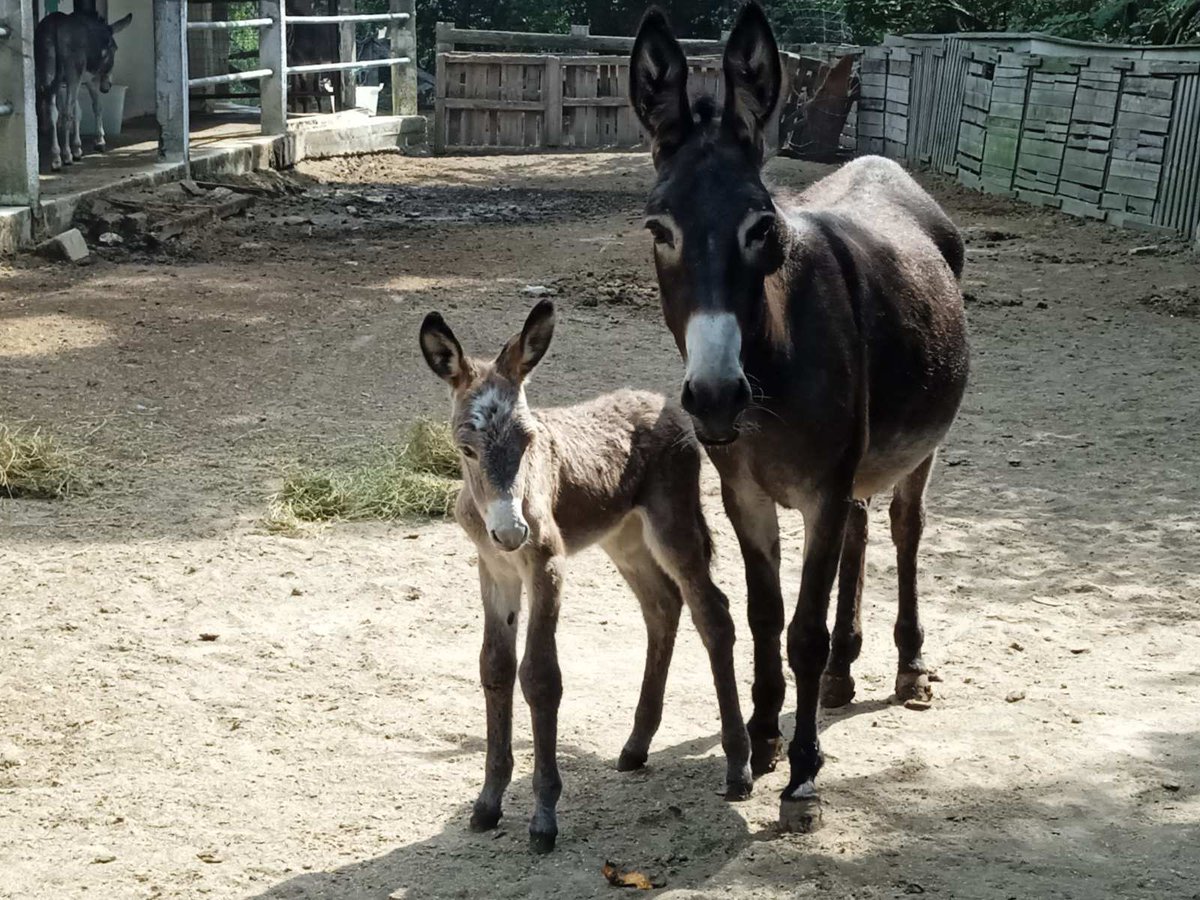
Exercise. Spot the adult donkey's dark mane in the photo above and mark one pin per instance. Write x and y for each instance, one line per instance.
(826, 357)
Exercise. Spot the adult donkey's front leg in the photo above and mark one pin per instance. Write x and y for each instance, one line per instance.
(756, 524)
(808, 650)
(541, 683)
(94, 93)
(501, 594)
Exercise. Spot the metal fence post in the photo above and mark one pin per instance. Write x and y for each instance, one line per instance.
(272, 54)
(18, 111)
(404, 43)
(347, 52)
(171, 81)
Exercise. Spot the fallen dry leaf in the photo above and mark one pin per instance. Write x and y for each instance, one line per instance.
(618, 878)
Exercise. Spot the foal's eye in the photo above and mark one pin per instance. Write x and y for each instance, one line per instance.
(468, 452)
(662, 234)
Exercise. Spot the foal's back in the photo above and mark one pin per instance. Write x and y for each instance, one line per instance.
(607, 453)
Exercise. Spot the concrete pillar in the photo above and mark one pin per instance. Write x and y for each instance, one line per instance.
(403, 37)
(18, 112)
(272, 54)
(347, 52)
(171, 81)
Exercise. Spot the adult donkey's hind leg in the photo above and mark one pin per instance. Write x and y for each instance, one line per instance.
(837, 684)
(501, 593)
(908, 521)
(661, 604)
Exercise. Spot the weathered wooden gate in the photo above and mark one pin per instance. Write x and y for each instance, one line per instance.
(520, 101)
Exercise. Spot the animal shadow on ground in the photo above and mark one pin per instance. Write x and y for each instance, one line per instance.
(668, 820)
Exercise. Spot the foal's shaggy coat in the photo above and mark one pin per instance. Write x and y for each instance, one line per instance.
(621, 471)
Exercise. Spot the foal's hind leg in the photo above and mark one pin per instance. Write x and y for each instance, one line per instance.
(837, 684)
(661, 604)
(679, 541)
(908, 520)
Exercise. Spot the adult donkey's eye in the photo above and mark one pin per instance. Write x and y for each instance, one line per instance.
(663, 234)
(755, 228)
(468, 452)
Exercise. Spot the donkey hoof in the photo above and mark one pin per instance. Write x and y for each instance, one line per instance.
(800, 810)
(836, 690)
(484, 818)
(913, 686)
(630, 761)
(55, 165)
(738, 790)
(764, 754)
(542, 841)
(100, 148)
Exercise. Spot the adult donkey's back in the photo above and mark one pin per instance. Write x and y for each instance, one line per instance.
(826, 357)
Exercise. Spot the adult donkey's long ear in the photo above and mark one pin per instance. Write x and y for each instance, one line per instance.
(443, 352)
(525, 350)
(658, 84)
(122, 23)
(753, 77)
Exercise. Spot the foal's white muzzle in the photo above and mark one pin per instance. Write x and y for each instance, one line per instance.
(505, 524)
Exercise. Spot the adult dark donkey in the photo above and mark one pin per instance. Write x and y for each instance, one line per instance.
(826, 357)
(70, 50)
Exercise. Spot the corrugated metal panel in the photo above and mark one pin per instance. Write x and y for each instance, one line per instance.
(1178, 204)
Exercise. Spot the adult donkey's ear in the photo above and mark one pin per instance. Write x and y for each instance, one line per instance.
(526, 350)
(443, 352)
(122, 23)
(658, 84)
(753, 77)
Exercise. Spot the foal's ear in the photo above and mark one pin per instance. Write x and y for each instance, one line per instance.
(443, 352)
(658, 83)
(526, 350)
(753, 77)
(122, 23)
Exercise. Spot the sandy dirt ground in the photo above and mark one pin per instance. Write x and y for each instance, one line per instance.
(329, 742)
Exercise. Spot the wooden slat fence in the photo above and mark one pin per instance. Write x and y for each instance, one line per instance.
(1104, 137)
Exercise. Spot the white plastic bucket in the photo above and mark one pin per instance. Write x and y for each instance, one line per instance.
(112, 110)
(366, 96)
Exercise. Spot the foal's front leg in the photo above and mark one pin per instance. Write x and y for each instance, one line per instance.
(541, 682)
(501, 593)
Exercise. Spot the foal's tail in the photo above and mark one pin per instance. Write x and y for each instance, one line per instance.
(705, 537)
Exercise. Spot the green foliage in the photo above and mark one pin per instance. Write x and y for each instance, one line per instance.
(1132, 21)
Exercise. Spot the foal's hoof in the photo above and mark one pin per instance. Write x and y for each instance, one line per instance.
(484, 818)
(764, 754)
(630, 761)
(542, 841)
(836, 690)
(913, 686)
(800, 810)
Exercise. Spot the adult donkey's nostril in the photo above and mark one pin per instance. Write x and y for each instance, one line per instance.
(687, 399)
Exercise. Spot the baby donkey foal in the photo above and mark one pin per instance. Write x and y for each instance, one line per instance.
(622, 471)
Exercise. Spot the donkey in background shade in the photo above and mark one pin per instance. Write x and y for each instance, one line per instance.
(69, 51)
(622, 471)
(826, 357)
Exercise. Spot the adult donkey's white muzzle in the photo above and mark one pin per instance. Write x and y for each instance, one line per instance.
(505, 524)
(715, 389)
